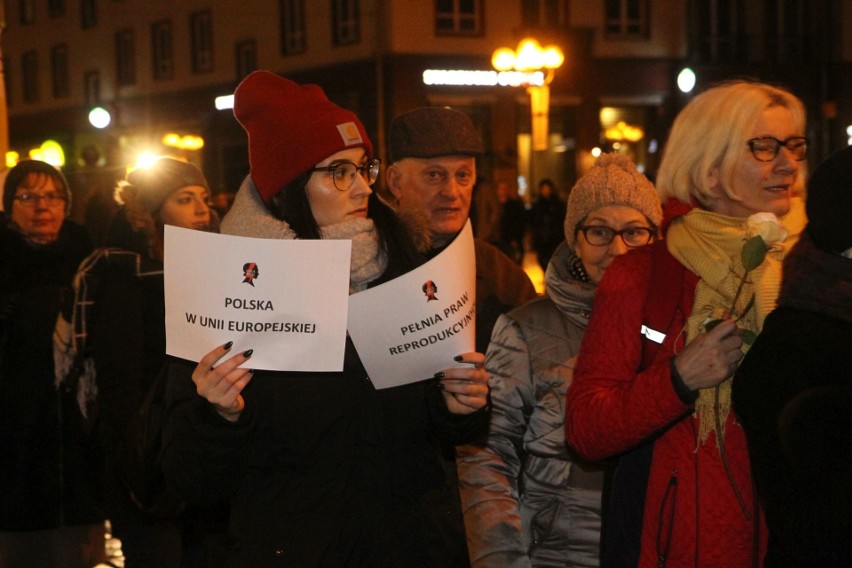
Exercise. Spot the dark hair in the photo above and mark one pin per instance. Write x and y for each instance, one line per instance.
(292, 206)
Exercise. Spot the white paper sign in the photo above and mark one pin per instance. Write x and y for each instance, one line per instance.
(285, 299)
(408, 329)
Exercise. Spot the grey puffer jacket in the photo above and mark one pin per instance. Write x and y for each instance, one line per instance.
(526, 500)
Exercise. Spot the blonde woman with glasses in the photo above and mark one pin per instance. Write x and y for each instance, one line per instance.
(652, 386)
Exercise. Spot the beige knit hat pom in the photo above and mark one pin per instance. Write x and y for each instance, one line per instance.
(613, 180)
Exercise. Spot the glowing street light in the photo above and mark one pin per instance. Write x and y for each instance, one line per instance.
(686, 80)
(530, 57)
(99, 117)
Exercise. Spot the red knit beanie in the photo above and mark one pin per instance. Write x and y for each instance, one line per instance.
(291, 128)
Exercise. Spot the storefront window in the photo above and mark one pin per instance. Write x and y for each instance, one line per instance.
(624, 130)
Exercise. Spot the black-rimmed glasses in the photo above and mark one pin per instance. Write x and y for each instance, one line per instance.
(766, 148)
(601, 236)
(343, 172)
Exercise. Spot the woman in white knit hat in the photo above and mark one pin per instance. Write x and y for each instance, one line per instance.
(321, 469)
(527, 500)
(671, 323)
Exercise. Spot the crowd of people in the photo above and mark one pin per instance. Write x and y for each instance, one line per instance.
(678, 397)
(504, 219)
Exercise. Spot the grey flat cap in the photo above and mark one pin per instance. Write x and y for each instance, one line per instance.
(429, 132)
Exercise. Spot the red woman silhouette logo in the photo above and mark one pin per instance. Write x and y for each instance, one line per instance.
(430, 289)
(250, 272)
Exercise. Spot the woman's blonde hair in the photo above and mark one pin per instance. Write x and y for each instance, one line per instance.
(712, 131)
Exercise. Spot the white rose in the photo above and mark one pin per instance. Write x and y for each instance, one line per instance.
(767, 227)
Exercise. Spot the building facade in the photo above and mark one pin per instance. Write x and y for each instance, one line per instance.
(157, 66)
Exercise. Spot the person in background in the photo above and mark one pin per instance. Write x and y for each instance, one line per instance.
(513, 222)
(652, 381)
(793, 391)
(485, 211)
(546, 216)
(221, 202)
(49, 514)
(122, 294)
(527, 500)
(433, 154)
(321, 469)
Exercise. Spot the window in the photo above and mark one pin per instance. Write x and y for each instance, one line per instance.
(345, 22)
(92, 87)
(27, 11)
(55, 8)
(88, 13)
(787, 28)
(458, 17)
(201, 31)
(543, 13)
(59, 70)
(29, 63)
(720, 31)
(626, 19)
(161, 48)
(246, 57)
(125, 58)
(292, 27)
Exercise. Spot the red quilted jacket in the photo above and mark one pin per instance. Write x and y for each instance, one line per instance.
(689, 514)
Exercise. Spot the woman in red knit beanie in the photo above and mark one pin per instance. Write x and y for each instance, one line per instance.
(320, 469)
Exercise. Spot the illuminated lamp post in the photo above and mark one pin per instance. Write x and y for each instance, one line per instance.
(538, 66)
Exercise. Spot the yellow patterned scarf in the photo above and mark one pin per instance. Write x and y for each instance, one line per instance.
(710, 245)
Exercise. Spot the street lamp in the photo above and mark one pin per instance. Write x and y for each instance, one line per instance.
(539, 64)
(686, 80)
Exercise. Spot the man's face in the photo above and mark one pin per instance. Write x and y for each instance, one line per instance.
(441, 188)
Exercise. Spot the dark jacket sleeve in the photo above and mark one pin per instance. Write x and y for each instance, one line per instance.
(117, 339)
(455, 429)
(203, 454)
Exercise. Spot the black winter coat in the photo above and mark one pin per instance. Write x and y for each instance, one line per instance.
(321, 469)
(792, 394)
(47, 477)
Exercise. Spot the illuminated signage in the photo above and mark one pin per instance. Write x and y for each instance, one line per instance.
(474, 78)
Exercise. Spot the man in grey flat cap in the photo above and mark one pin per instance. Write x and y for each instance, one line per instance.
(433, 154)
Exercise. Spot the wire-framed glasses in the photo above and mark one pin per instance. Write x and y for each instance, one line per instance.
(601, 236)
(766, 148)
(343, 172)
(30, 199)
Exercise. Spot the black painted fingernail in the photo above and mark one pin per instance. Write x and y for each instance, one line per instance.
(251, 371)
(458, 358)
(247, 353)
(228, 345)
(439, 375)
(440, 386)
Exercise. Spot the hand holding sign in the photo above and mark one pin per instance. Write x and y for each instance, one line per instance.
(465, 388)
(221, 385)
